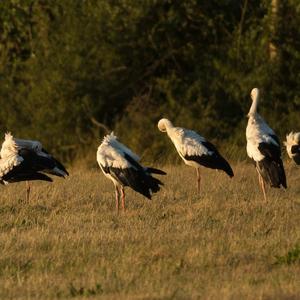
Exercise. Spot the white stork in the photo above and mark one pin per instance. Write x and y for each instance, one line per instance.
(194, 149)
(24, 160)
(263, 147)
(121, 165)
(293, 146)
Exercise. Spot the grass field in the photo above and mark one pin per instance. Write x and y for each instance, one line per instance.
(227, 243)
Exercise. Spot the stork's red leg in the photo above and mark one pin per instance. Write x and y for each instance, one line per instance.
(262, 185)
(117, 197)
(198, 180)
(27, 191)
(123, 198)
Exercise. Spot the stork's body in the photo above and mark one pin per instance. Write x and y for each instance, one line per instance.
(194, 149)
(293, 146)
(25, 160)
(263, 147)
(122, 167)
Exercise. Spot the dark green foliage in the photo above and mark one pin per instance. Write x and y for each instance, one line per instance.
(69, 69)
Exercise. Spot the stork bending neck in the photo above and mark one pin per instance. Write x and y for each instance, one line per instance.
(168, 125)
(164, 124)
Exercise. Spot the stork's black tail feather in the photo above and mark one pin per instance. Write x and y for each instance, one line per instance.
(156, 171)
(224, 165)
(154, 184)
(149, 185)
(138, 178)
(272, 172)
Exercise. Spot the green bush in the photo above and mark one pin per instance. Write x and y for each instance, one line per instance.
(70, 69)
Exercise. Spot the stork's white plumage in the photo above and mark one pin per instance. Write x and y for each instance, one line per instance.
(263, 147)
(24, 160)
(9, 157)
(194, 149)
(121, 165)
(293, 146)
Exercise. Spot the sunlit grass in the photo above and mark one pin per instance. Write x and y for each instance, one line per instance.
(68, 242)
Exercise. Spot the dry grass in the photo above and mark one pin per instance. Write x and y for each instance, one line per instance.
(228, 243)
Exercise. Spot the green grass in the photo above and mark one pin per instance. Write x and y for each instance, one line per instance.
(292, 257)
(69, 243)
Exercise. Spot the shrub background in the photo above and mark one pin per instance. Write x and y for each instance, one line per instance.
(70, 69)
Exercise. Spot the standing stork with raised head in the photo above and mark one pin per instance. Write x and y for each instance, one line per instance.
(194, 149)
(26, 160)
(121, 165)
(293, 146)
(263, 147)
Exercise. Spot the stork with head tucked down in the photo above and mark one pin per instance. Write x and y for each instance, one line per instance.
(24, 160)
(121, 165)
(263, 147)
(293, 146)
(194, 149)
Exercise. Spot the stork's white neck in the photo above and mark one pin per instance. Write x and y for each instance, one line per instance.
(253, 108)
(168, 125)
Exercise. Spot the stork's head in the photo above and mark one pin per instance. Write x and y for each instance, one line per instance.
(254, 94)
(163, 124)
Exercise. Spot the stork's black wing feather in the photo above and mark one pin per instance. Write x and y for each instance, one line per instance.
(295, 149)
(275, 138)
(155, 171)
(29, 168)
(135, 177)
(57, 163)
(17, 177)
(149, 170)
(45, 151)
(270, 150)
(213, 161)
(133, 162)
(25, 171)
(271, 166)
(210, 146)
(33, 161)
